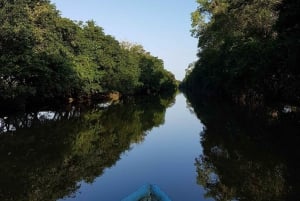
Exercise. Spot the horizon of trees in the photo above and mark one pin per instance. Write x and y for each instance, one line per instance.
(45, 56)
(247, 50)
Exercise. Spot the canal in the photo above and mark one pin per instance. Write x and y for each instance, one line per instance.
(193, 150)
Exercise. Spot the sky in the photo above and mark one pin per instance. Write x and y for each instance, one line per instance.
(162, 27)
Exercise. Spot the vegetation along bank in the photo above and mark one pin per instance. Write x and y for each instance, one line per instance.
(248, 50)
(44, 56)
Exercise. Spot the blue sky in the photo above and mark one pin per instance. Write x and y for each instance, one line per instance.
(162, 27)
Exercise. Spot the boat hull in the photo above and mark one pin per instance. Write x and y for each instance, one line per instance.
(148, 192)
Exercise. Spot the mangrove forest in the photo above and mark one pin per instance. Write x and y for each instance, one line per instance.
(44, 56)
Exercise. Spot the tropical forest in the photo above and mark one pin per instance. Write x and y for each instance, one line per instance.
(45, 56)
(88, 116)
(248, 50)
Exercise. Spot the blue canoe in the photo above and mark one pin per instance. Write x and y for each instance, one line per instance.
(148, 192)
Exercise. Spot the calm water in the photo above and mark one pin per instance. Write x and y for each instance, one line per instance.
(107, 151)
(165, 157)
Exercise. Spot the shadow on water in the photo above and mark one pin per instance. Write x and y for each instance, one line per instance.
(248, 153)
(45, 154)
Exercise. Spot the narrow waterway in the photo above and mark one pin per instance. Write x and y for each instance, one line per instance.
(166, 157)
(107, 151)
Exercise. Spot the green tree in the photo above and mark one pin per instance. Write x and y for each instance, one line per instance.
(34, 62)
(44, 56)
(288, 50)
(242, 52)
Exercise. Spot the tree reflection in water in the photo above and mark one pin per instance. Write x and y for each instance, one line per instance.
(248, 154)
(47, 154)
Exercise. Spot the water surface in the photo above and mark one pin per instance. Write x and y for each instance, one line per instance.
(194, 150)
(165, 157)
(101, 153)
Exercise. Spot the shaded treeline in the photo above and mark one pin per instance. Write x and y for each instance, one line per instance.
(248, 53)
(45, 56)
(248, 50)
(46, 157)
(248, 154)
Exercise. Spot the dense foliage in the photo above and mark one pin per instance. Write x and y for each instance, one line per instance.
(247, 49)
(44, 56)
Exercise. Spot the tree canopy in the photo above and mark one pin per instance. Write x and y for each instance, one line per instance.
(247, 49)
(45, 56)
